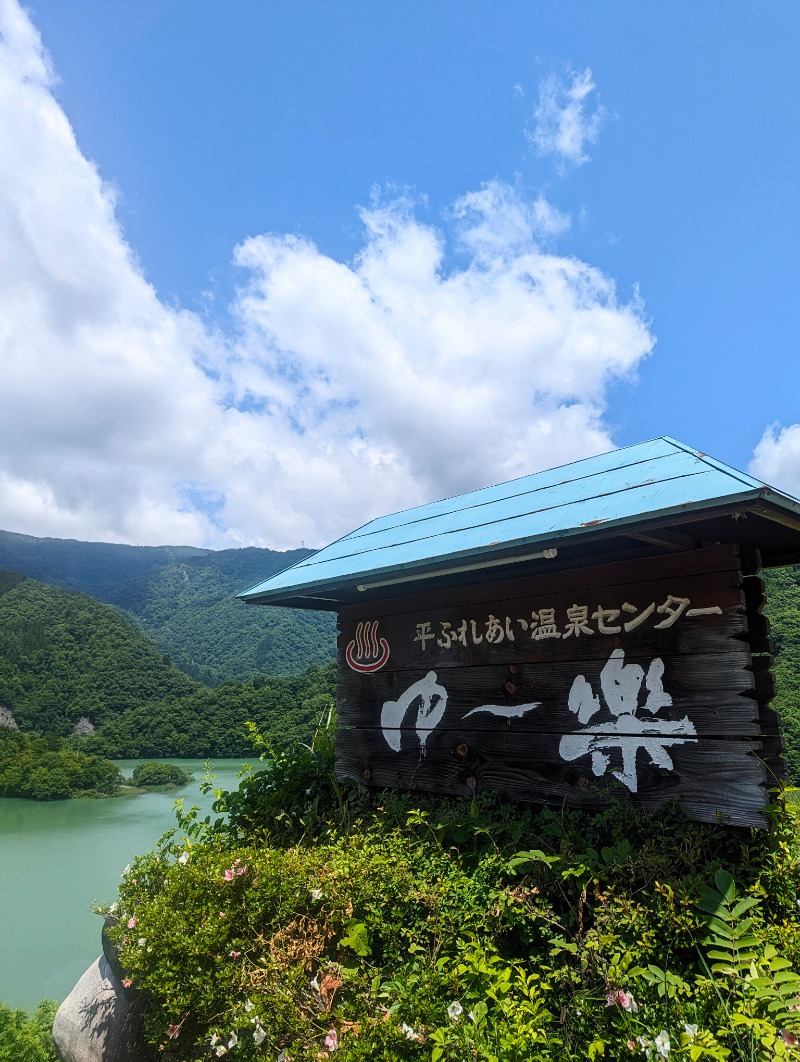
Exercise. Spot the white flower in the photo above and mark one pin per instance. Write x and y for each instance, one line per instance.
(455, 1010)
(410, 1033)
(249, 1005)
(283, 1056)
(661, 1044)
(691, 1031)
(113, 908)
(221, 1050)
(214, 1039)
(259, 1035)
(234, 1040)
(316, 894)
(183, 858)
(127, 871)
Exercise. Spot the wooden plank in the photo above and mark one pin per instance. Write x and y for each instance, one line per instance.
(620, 573)
(765, 689)
(750, 560)
(551, 628)
(709, 689)
(714, 780)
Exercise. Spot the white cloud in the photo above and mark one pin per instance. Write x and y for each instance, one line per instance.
(776, 458)
(564, 122)
(340, 391)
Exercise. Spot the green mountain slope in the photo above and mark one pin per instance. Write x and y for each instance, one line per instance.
(65, 656)
(191, 611)
(185, 598)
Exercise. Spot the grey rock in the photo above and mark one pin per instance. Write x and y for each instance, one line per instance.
(6, 718)
(98, 1022)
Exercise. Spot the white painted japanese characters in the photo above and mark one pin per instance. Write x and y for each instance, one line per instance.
(546, 623)
(431, 700)
(633, 679)
(621, 686)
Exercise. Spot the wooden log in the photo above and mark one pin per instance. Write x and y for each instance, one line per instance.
(702, 562)
(711, 689)
(714, 780)
(726, 635)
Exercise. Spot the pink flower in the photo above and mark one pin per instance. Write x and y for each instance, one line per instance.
(132, 922)
(241, 870)
(126, 982)
(332, 1040)
(234, 954)
(222, 914)
(615, 997)
(229, 875)
(789, 1038)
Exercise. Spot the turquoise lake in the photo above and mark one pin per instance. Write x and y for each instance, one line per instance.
(57, 859)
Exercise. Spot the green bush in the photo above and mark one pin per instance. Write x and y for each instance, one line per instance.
(27, 1038)
(154, 774)
(310, 920)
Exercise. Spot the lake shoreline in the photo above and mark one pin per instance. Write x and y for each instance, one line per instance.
(62, 858)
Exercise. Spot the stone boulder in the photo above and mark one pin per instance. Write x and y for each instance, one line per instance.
(100, 1020)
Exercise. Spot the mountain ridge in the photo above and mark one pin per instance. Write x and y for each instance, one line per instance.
(185, 598)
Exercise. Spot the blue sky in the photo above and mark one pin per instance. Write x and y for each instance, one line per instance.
(273, 269)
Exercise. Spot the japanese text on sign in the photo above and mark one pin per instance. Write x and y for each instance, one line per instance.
(545, 624)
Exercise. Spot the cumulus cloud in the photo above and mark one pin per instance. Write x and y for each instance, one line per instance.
(776, 458)
(564, 121)
(335, 391)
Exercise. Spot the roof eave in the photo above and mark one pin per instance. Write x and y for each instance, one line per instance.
(329, 592)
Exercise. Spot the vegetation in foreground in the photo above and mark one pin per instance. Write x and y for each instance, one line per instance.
(26, 1037)
(314, 921)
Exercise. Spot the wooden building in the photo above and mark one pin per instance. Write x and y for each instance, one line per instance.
(589, 632)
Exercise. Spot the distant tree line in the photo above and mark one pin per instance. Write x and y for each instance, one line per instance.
(49, 768)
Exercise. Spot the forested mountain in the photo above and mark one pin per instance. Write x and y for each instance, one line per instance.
(190, 609)
(783, 608)
(185, 598)
(95, 568)
(65, 657)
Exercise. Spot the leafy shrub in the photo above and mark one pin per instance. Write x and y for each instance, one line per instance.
(153, 774)
(309, 920)
(27, 1038)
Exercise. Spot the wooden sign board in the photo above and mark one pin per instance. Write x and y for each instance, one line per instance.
(648, 680)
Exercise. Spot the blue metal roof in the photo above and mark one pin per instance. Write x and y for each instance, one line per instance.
(621, 489)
